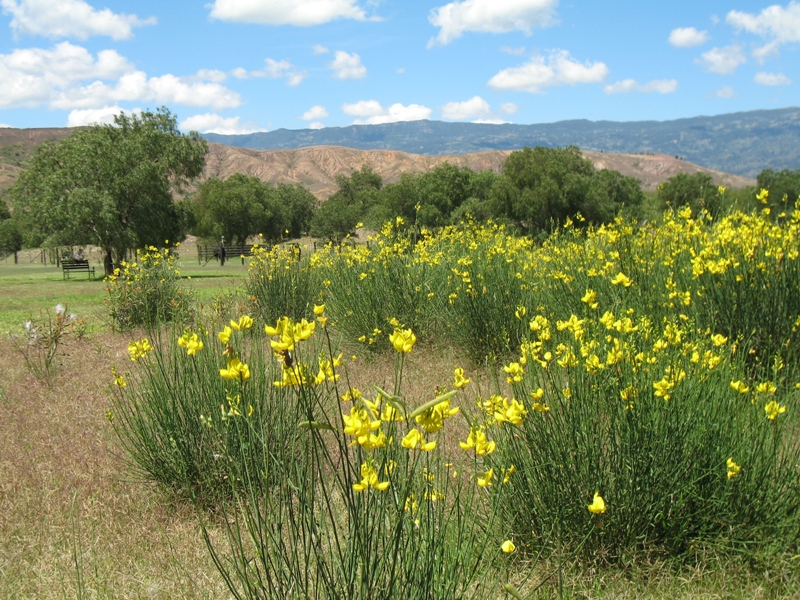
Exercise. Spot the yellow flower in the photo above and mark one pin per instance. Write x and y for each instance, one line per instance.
(718, 339)
(191, 343)
(415, 440)
(360, 424)
(319, 309)
(432, 420)
(486, 479)
(733, 469)
(773, 409)
(590, 298)
(225, 334)
(139, 349)
(740, 387)
(369, 479)
(476, 440)
(515, 372)
(119, 380)
(621, 279)
(403, 340)
(510, 412)
(244, 322)
(460, 381)
(507, 473)
(766, 387)
(236, 370)
(508, 547)
(598, 505)
(763, 196)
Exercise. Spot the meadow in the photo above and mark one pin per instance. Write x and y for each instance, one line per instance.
(611, 412)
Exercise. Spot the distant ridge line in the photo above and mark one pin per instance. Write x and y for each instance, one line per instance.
(742, 143)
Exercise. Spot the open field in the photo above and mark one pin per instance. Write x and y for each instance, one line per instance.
(75, 523)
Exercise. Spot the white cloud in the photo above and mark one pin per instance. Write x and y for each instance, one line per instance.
(474, 108)
(214, 123)
(626, 86)
(347, 66)
(31, 76)
(211, 75)
(774, 22)
(777, 24)
(559, 68)
(70, 77)
(769, 50)
(316, 125)
(513, 51)
(5, 126)
(687, 37)
(314, 113)
(273, 69)
(509, 108)
(724, 92)
(90, 116)
(302, 13)
(762, 78)
(319, 49)
(370, 112)
(69, 18)
(722, 60)
(492, 16)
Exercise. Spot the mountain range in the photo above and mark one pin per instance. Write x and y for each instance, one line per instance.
(741, 143)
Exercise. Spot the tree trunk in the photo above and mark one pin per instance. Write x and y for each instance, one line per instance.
(108, 263)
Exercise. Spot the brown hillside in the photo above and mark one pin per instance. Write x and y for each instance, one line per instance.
(316, 167)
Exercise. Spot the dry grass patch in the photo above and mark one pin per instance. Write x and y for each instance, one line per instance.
(71, 523)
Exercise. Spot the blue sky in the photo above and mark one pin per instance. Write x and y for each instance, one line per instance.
(238, 66)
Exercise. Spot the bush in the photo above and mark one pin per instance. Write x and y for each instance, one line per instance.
(148, 292)
(337, 494)
(658, 419)
(174, 415)
(282, 282)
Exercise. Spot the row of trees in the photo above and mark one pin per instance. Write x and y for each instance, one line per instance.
(116, 186)
(537, 188)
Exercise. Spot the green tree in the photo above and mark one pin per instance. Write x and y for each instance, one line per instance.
(430, 198)
(234, 208)
(10, 235)
(111, 185)
(358, 193)
(298, 205)
(783, 186)
(697, 191)
(540, 187)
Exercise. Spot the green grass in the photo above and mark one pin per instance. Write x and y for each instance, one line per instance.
(27, 289)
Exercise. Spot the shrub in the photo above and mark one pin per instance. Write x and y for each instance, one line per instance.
(173, 413)
(334, 495)
(281, 282)
(148, 292)
(660, 420)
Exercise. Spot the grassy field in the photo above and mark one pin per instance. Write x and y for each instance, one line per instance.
(74, 523)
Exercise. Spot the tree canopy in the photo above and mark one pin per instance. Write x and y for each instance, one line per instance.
(697, 191)
(357, 194)
(111, 185)
(783, 187)
(242, 206)
(540, 187)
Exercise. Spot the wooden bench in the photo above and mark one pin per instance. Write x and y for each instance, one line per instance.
(70, 265)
